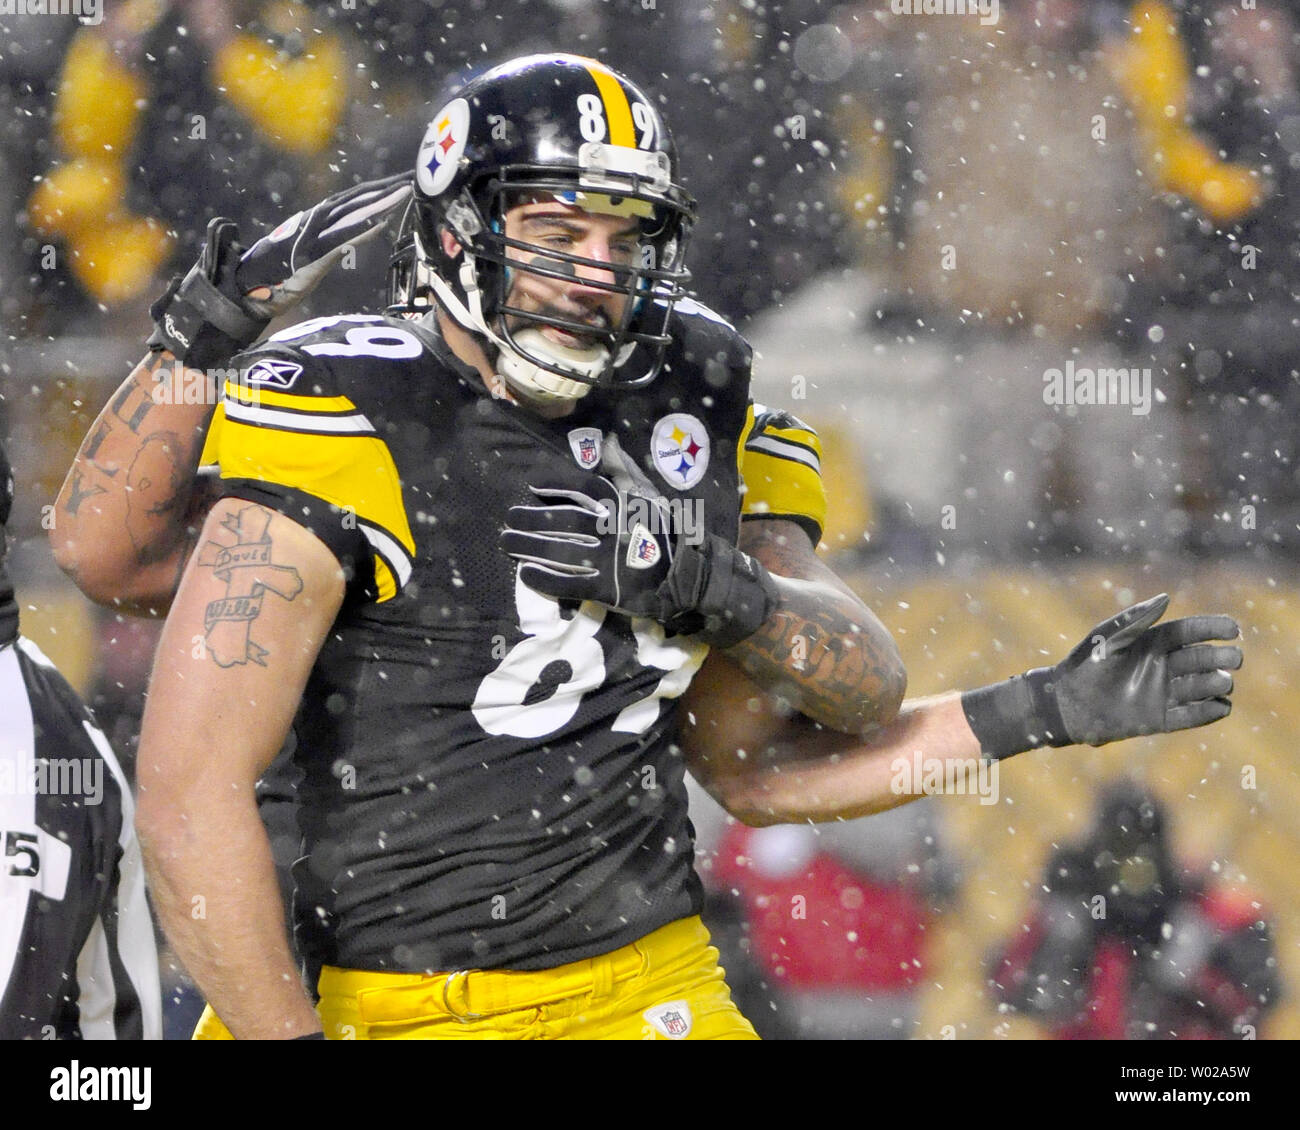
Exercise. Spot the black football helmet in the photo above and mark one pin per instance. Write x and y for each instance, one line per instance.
(546, 126)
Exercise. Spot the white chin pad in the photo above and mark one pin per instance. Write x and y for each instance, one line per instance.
(537, 382)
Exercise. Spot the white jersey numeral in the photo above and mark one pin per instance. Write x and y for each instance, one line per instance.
(390, 342)
(549, 638)
(500, 705)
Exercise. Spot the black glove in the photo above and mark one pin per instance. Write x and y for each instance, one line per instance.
(1126, 679)
(616, 541)
(210, 315)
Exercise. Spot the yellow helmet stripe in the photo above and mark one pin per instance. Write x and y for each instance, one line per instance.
(618, 112)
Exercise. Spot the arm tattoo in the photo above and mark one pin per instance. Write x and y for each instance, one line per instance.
(133, 416)
(152, 499)
(248, 574)
(92, 449)
(821, 649)
(76, 496)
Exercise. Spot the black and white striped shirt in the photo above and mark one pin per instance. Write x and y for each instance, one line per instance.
(77, 953)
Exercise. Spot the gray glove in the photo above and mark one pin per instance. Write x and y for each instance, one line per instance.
(292, 260)
(1127, 678)
(230, 295)
(614, 539)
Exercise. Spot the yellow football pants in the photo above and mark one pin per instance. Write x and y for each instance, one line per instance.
(666, 986)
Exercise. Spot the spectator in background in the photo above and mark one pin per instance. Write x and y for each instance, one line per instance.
(1126, 944)
(823, 929)
(30, 55)
(1016, 217)
(259, 89)
(1221, 305)
(77, 956)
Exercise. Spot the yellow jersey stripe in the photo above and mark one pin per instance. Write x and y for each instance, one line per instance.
(805, 436)
(212, 441)
(778, 486)
(384, 582)
(768, 462)
(744, 439)
(246, 394)
(352, 472)
(766, 444)
(618, 112)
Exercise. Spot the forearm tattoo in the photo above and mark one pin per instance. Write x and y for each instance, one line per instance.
(818, 651)
(157, 485)
(156, 502)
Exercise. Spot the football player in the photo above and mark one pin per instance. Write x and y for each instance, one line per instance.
(473, 555)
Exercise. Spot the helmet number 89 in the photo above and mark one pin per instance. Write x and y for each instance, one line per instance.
(591, 117)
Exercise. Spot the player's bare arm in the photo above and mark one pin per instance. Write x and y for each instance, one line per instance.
(766, 767)
(126, 519)
(821, 650)
(1128, 677)
(252, 611)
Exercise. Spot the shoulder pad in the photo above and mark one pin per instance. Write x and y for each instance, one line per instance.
(702, 330)
(353, 335)
(315, 357)
(777, 419)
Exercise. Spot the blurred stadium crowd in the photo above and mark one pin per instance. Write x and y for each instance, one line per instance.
(917, 220)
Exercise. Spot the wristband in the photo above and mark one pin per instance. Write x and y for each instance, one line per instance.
(311, 1036)
(1019, 714)
(199, 325)
(726, 593)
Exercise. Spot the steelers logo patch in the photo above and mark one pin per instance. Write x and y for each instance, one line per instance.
(679, 447)
(444, 142)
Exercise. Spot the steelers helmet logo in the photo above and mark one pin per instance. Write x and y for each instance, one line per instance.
(679, 447)
(444, 142)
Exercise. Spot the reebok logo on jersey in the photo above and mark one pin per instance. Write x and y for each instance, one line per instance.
(273, 373)
(672, 1019)
(643, 550)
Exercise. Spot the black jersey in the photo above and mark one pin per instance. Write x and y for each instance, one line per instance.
(488, 775)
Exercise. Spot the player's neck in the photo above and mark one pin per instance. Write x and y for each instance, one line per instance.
(468, 348)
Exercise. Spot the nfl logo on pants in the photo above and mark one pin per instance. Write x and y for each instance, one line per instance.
(672, 1019)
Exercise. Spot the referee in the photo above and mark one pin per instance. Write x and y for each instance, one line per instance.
(77, 954)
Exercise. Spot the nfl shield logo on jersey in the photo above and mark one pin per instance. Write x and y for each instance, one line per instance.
(672, 1019)
(585, 445)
